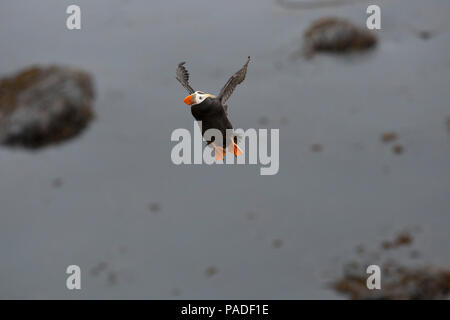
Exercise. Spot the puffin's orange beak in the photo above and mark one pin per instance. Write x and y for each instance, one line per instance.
(188, 100)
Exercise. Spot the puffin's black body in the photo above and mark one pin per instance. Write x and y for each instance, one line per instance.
(212, 111)
(212, 115)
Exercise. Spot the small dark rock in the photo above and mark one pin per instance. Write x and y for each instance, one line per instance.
(277, 243)
(154, 207)
(398, 149)
(360, 249)
(425, 34)
(95, 271)
(316, 147)
(112, 278)
(210, 271)
(402, 239)
(414, 254)
(56, 183)
(388, 137)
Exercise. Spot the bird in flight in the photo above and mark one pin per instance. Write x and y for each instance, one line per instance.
(212, 110)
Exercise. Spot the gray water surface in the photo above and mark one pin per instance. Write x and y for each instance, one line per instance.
(320, 204)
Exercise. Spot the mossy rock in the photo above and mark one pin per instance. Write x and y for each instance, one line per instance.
(40, 106)
(336, 35)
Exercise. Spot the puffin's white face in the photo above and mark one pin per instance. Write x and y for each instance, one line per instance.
(197, 97)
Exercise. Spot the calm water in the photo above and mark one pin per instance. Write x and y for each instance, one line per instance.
(320, 205)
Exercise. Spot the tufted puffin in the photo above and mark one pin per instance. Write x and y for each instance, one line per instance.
(212, 111)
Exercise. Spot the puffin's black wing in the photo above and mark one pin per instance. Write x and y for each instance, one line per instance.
(183, 77)
(231, 84)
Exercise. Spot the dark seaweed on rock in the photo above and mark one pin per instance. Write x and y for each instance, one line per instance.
(402, 239)
(210, 271)
(398, 281)
(44, 105)
(336, 35)
(317, 147)
(388, 137)
(398, 149)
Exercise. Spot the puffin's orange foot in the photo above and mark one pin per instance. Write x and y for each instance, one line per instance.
(234, 148)
(219, 152)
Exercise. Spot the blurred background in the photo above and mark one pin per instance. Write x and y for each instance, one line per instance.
(364, 151)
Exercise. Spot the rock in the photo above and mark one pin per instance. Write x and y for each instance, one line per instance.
(388, 137)
(277, 243)
(398, 149)
(336, 35)
(316, 147)
(154, 207)
(99, 268)
(402, 239)
(112, 278)
(399, 280)
(404, 283)
(210, 271)
(44, 105)
(425, 34)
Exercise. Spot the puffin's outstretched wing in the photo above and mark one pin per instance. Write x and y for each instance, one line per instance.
(183, 77)
(231, 84)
